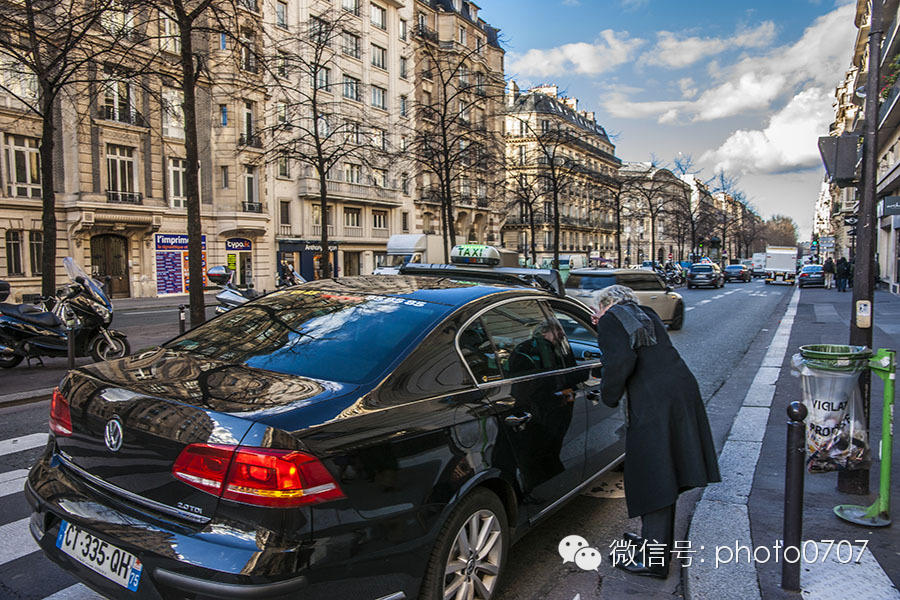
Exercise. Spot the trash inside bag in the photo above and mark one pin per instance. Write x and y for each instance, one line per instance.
(836, 435)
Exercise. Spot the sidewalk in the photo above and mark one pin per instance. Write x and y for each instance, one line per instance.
(746, 509)
(129, 304)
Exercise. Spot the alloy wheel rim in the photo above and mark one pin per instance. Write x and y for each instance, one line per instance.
(473, 564)
(114, 350)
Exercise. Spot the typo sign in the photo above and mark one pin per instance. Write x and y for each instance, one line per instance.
(238, 244)
(891, 205)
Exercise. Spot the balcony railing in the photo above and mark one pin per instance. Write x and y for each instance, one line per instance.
(426, 32)
(284, 229)
(317, 230)
(117, 197)
(310, 186)
(252, 207)
(132, 117)
(381, 232)
(249, 5)
(353, 231)
(482, 203)
(250, 139)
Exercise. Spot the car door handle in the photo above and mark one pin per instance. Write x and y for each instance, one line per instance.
(593, 396)
(517, 422)
(653, 297)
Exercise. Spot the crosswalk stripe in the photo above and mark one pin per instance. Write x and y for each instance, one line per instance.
(19, 444)
(17, 541)
(12, 482)
(78, 591)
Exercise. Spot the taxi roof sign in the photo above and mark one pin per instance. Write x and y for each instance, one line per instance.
(474, 254)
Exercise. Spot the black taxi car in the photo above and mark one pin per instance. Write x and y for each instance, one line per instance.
(362, 437)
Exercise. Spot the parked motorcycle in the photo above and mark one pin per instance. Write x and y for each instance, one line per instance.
(231, 297)
(31, 331)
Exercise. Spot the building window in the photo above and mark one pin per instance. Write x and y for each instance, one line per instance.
(14, 252)
(422, 20)
(249, 127)
(248, 52)
(404, 221)
(120, 168)
(351, 88)
(223, 115)
(462, 35)
(250, 188)
(463, 76)
(351, 6)
(379, 177)
(523, 154)
(177, 175)
(379, 97)
(281, 113)
(36, 247)
(323, 78)
(351, 217)
(352, 173)
(285, 212)
(379, 16)
(404, 142)
(404, 29)
(545, 125)
(223, 41)
(170, 36)
(281, 14)
(404, 67)
(404, 184)
(225, 182)
(404, 106)
(379, 57)
(380, 138)
(284, 166)
(351, 44)
(281, 67)
(118, 98)
(379, 219)
(173, 113)
(317, 215)
(23, 166)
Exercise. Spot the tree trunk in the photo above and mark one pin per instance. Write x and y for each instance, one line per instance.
(325, 269)
(618, 232)
(48, 202)
(530, 209)
(555, 226)
(192, 183)
(445, 231)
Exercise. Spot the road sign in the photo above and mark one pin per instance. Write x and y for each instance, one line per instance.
(852, 232)
(851, 221)
(890, 205)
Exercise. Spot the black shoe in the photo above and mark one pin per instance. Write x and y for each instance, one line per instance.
(633, 538)
(637, 568)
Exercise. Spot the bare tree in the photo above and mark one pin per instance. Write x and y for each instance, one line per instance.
(689, 217)
(649, 190)
(524, 197)
(46, 48)
(451, 139)
(750, 232)
(728, 216)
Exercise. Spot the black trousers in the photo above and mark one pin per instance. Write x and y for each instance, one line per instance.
(659, 525)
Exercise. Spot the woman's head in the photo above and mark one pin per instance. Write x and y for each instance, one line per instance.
(614, 294)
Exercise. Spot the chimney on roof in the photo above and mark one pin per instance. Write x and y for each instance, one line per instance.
(547, 90)
(571, 103)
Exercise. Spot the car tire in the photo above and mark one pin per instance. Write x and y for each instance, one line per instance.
(481, 508)
(10, 361)
(678, 320)
(101, 349)
(690, 287)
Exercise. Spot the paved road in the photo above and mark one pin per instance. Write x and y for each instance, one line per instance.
(718, 329)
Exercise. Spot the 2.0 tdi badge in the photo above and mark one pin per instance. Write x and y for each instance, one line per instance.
(113, 434)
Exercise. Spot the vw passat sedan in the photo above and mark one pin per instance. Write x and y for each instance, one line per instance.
(364, 437)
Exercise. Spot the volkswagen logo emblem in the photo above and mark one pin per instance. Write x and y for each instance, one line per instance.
(113, 434)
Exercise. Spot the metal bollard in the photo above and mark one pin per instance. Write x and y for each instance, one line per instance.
(793, 495)
(181, 308)
(70, 344)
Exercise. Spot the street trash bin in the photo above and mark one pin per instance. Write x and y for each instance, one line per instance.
(836, 435)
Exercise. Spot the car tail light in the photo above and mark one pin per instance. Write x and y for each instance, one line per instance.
(60, 417)
(260, 476)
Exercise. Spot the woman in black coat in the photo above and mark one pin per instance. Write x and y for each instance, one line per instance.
(668, 443)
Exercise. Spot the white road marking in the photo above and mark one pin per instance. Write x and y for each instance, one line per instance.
(690, 308)
(19, 444)
(707, 301)
(17, 540)
(730, 292)
(12, 482)
(717, 296)
(75, 592)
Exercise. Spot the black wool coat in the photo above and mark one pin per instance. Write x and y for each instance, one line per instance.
(668, 443)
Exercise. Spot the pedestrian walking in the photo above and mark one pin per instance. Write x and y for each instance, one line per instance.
(668, 444)
(828, 269)
(842, 274)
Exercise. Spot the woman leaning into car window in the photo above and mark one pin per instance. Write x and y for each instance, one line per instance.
(668, 443)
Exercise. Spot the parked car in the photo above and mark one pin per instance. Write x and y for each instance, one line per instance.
(705, 274)
(738, 273)
(811, 275)
(648, 286)
(337, 439)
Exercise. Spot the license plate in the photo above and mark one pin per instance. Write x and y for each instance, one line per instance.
(102, 557)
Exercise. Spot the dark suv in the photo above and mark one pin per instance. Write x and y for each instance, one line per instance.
(362, 437)
(705, 274)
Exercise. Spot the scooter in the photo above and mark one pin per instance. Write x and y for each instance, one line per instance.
(32, 332)
(231, 297)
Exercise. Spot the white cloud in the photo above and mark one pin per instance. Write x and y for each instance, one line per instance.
(610, 50)
(787, 143)
(679, 51)
(688, 87)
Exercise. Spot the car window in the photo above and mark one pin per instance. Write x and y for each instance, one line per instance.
(734, 268)
(479, 353)
(314, 333)
(527, 340)
(582, 337)
(701, 269)
(590, 282)
(641, 282)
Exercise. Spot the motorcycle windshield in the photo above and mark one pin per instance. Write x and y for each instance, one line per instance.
(90, 284)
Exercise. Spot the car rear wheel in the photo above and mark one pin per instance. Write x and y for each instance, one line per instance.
(678, 320)
(470, 551)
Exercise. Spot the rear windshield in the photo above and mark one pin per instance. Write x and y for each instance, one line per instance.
(590, 282)
(325, 335)
(812, 268)
(733, 268)
(701, 269)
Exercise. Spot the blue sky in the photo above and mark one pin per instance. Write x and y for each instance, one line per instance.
(740, 86)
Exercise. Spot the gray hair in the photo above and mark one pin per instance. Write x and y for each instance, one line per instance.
(614, 294)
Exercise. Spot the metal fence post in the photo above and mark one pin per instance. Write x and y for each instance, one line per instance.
(181, 308)
(793, 496)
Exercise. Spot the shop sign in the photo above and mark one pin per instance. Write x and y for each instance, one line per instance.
(172, 263)
(238, 245)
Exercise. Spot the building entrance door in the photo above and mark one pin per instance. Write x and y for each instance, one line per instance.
(109, 258)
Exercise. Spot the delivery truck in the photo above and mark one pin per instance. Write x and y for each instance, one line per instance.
(781, 264)
(758, 264)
